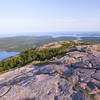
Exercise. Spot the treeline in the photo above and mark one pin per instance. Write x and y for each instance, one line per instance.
(91, 39)
(20, 43)
(30, 55)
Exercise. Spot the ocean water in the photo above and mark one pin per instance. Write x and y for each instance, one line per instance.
(55, 34)
(6, 54)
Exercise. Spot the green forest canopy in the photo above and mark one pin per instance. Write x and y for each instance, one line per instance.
(34, 54)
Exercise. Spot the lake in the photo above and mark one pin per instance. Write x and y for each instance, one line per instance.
(6, 54)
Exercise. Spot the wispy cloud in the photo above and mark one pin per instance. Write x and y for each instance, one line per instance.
(65, 20)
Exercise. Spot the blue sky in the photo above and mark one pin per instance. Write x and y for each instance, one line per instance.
(19, 16)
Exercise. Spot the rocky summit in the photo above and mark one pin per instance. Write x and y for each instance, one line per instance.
(75, 76)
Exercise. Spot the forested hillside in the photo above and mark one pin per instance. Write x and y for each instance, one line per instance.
(21, 43)
(91, 39)
(36, 54)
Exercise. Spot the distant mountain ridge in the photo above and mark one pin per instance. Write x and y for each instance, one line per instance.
(21, 43)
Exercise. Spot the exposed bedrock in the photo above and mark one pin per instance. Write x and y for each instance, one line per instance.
(82, 65)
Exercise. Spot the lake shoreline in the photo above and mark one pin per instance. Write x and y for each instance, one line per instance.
(7, 54)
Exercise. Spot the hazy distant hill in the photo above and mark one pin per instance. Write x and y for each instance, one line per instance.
(91, 39)
(21, 43)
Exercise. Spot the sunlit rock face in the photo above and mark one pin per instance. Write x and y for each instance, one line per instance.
(82, 65)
